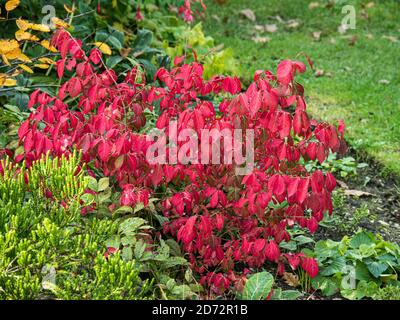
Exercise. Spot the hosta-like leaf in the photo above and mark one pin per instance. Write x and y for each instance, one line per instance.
(258, 286)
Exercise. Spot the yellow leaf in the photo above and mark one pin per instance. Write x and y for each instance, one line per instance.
(10, 83)
(68, 9)
(7, 82)
(7, 46)
(46, 60)
(5, 60)
(40, 27)
(22, 57)
(23, 24)
(59, 23)
(12, 4)
(46, 44)
(23, 35)
(103, 47)
(25, 68)
(17, 54)
(41, 65)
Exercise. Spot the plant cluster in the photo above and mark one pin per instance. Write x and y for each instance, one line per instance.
(49, 250)
(360, 266)
(226, 223)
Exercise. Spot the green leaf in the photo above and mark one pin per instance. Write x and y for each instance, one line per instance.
(113, 61)
(143, 39)
(127, 253)
(328, 286)
(291, 245)
(303, 239)
(115, 42)
(87, 199)
(92, 183)
(103, 184)
(336, 265)
(359, 239)
(291, 294)
(113, 242)
(377, 268)
(258, 286)
(122, 210)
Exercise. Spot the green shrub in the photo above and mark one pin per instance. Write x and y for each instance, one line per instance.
(357, 267)
(41, 229)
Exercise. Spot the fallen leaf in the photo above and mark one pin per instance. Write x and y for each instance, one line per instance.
(216, 18)
(384, 81)
(271, 28)
(370, 5)
(342, 184)
(258, 39)
(292, 23)
(353, 40)
(343, 28)
(313, 5)
(291, 279)
(249, 14)
(259, 28)
(369, 36)
(317, 35)
(357, 193)
(319, 73)
(391, 38)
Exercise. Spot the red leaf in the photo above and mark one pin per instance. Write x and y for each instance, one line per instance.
(310, 265)
(23, 129)
(272, 251)
(284, 72)
(74, 87)
(330, 182)
(60, 68)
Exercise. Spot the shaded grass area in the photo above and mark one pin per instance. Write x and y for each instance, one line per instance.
(361, 68)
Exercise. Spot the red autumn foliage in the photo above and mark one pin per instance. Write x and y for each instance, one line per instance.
(225, 222)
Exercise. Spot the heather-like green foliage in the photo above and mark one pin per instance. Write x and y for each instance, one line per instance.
(47, 249)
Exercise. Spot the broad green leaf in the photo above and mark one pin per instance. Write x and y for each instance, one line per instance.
(258, 286)
(377, 268)
(359, 239)
(290, 294)
(103, 184)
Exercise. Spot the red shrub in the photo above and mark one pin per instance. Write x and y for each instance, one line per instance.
(225, 222)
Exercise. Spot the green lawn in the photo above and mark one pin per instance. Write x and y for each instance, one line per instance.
(361, 78)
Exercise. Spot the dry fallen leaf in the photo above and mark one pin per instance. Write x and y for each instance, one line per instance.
(216, 18)
(319, 73)
(391, 38)
(249, 14)
(384, 81)
(271, 28)
(343, 28)
(369, 36)
(313, 5)
(342, 184)
(370, 4)
(353, 40)
(258, 39)
(317, 35)
(357, 193)
(292, 23)
(291, 279)
(259, 28)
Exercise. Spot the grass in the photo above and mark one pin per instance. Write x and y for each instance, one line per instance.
(354, 63)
